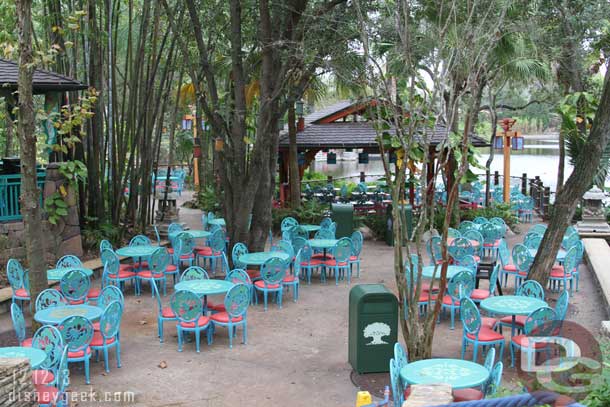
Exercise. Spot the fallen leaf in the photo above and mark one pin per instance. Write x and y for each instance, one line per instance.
(143, 322)
(162, 365)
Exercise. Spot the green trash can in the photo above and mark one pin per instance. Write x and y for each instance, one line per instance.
(343, 215)
(373, 327)
(407, 211)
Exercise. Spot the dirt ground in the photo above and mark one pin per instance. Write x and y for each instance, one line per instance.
(295, 356)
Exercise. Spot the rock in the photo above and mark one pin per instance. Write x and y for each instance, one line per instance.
(162, 365)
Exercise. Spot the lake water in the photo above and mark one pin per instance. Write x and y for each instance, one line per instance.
(540, 157)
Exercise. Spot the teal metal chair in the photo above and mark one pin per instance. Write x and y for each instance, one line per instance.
(453, 233)
(532, 241)
(459, 248)
(508, 268)
(492, 235)
(433, 247)
(562, 275)
(19, 326)
(236, 304)
(339, 264)
(108, 335)
(188, 308)
(425, 297)
(465, 226)
(55, 396)
(194, 273)
(114, 273)
(357, 243)
(49, 298)
(538, 228)
(475, 333)
(240, 276)
(292, 279)
(460, 286)
(15, 275)
(184, 252)
(108, 295)
(48, 339)
(540, 323)
(163, 313)
(395, 383)
(273, 272)
(77, 333)
(475, 236)
(75, 285)
(157, 264)
(309, 264)
(239, 249)
(213, 253)
(561, 307)
(529, 288)
(523, 259)
(479, 294)
(140, 240)
(288, 223)
(68, 261)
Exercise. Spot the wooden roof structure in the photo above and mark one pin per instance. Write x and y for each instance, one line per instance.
(329, 128)
(43, 81)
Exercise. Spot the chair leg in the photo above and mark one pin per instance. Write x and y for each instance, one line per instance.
(244, 333)
(118, 354)
(265, 298)
(179, 338)
(87, 381)
(464, 345)
(512, 355)
(279, 293)
(230, 331)
(197, 338)
(106, 359)
(160, 328)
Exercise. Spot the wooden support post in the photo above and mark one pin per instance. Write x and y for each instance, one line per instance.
(329, 179)
(524, 184)
(496, 178)
(362, 176)
(546, 200)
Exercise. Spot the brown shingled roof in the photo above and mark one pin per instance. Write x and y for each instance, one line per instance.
(350, 134)
(43, 81)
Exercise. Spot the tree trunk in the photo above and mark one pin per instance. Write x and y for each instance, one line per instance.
(295, 184)
(562, 159)
(30, 194)
(577, 184)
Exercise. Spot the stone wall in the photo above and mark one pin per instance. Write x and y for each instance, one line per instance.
(16, 388)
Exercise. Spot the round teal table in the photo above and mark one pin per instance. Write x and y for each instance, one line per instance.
(561, 255)
(197, 234)
(217, 221)
(257, 259)
(512, 305)
(137, 251)
(310, 228)
(54, 315)
(205, 287)
(459, 374)
(36, 356)
(57, 274)
(428, 271)
(322, 243)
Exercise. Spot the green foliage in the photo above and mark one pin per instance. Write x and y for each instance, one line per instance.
(55, 207)
(577, 112)
(500, 211)
(599, 396)
(310, 212)
(314, 176)
(73, 171)
(207, 200)
(93, 233)
(377, 223)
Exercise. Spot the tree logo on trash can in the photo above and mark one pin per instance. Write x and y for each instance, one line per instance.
(377, 330)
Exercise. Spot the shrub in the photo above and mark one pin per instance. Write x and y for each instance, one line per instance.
(93, 234)
(376, 222)
(497, 211)
(207, 200)
(310, 212)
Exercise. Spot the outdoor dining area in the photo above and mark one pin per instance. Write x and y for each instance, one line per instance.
(192, 285)
(491, 320)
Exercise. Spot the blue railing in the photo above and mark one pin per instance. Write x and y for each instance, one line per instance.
(10, 189)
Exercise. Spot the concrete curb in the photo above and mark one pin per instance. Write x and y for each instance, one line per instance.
(597, 253)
